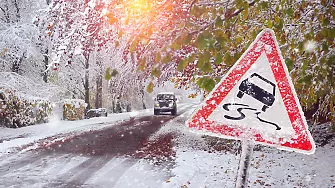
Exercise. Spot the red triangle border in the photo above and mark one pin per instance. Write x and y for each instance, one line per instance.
(303, 143)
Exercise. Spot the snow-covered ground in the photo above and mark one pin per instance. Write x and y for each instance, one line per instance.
(269, 167)
(195, 164)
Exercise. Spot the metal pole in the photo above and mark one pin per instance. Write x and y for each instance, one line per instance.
(243, 169)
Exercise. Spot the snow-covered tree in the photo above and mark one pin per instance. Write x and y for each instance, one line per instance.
(197, 41)
(79, 28)
(80, 55)
(18, 52)
(202, 39)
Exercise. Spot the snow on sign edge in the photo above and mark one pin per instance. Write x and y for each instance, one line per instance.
(206, 127)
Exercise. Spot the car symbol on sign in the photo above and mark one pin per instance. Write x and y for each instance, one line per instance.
(255, 91)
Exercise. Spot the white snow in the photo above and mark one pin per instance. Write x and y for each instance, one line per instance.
(28, 88)
(310, 46)
(196, 168)
(193, 166)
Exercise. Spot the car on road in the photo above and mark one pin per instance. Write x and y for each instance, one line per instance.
(249, 86)
(96, 113)
(165, 102)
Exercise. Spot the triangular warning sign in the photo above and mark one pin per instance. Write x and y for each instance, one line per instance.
(256, 99)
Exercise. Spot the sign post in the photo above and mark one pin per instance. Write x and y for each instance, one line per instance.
(243, 168)
(255, 101)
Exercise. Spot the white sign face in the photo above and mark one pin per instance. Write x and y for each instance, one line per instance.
(256, 100)
(256, 90)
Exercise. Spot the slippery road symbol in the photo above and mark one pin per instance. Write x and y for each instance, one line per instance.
(247, 87)
(251, 86)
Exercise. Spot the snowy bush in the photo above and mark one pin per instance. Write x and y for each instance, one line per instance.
(73, 109)
(18, 111)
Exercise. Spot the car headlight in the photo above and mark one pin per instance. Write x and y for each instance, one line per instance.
(157, 104)
(171, 105)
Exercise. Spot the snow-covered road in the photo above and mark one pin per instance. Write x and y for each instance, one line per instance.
(103, 155)
(156, 152)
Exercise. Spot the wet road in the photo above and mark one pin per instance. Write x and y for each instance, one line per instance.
(100, 158)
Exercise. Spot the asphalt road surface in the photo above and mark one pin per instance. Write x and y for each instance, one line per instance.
(93, 159)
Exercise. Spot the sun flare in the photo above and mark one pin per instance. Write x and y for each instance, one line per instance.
(138, 7)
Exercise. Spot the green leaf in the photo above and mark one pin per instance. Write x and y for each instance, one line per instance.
(203, 58)
(290, 12)
(307, 79)
(239, 4)
(206, 56)
(301, 46)
(207, 34)
(245, 5)
(264, 5)
(228, 59)
(309, 36)
(200, 82)
(289, 63)
(254, 33)
(200, 62)
(107, 74)
(325, 22)
(325, 47)
(218, 59)
(150, 87)
(331, 33)
(182, 64)
(206, 83)
(206, 67)
(209, 85)
(304, 66)
(221, 40)
(201, 42)
(269, 24)
(218, 22)
(280, 24)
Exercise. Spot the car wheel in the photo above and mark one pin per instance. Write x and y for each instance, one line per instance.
(264, 108)
(156, 112)
(174, 111)
(240, 94)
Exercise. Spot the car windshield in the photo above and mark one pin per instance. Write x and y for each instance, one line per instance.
(261, 83)
(165, 97)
